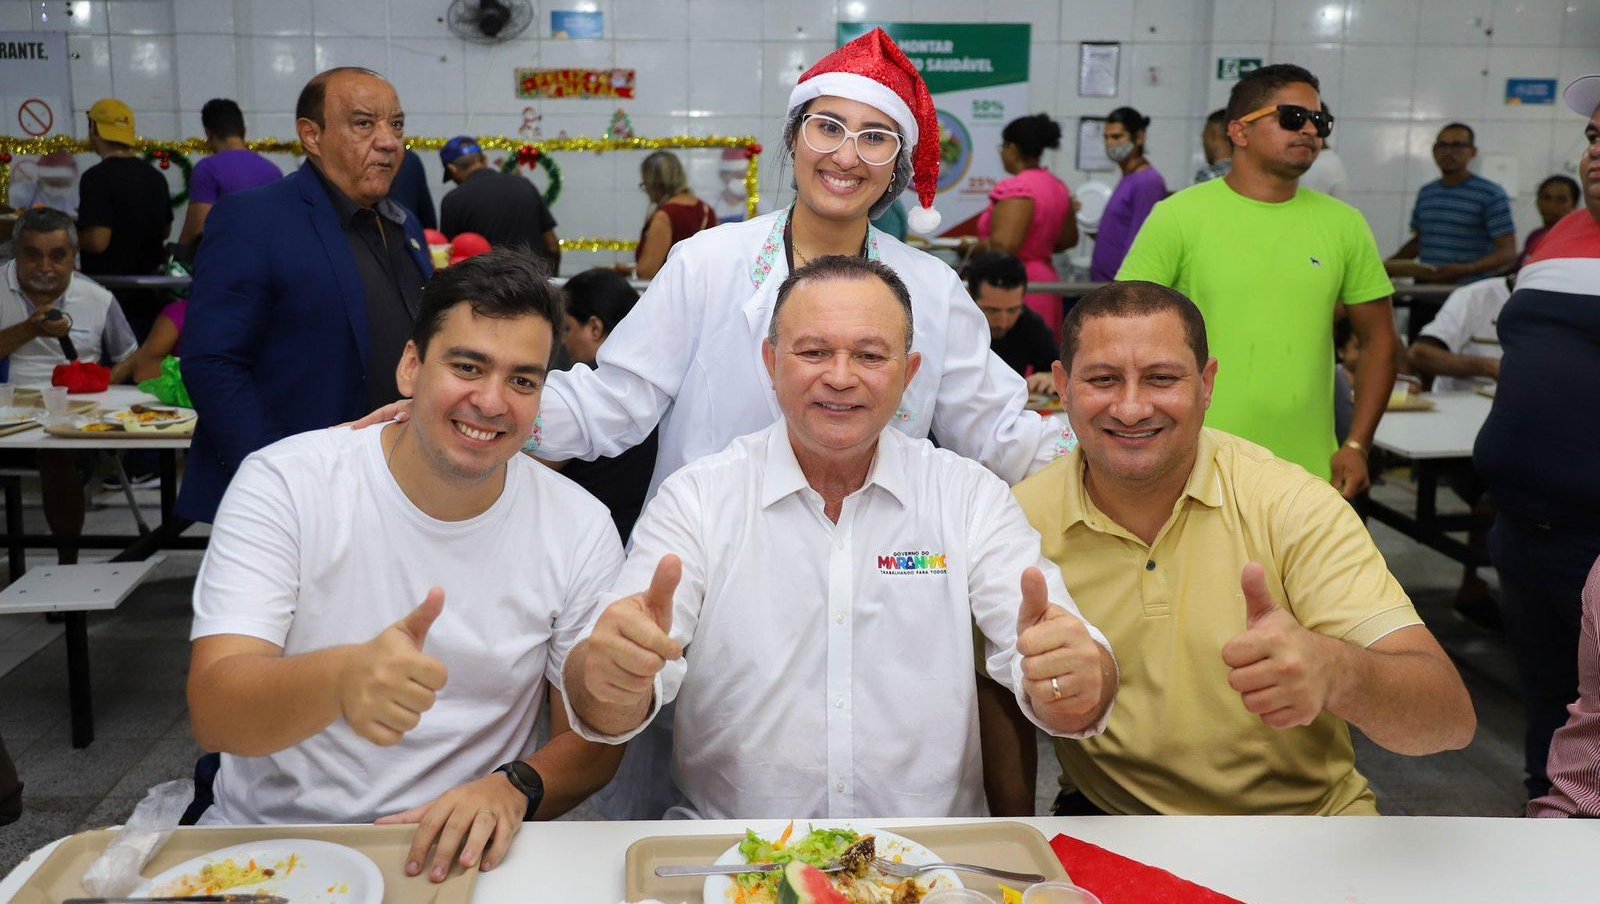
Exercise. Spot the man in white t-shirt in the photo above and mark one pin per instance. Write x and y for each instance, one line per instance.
(1460, 347)
(818, 641)
(47, 310)
(380, 612)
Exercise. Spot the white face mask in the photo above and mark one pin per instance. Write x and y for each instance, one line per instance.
(1120, 152)
(734, 188)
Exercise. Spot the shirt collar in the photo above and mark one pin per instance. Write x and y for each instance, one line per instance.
(15, 287)
(782, 476)
(348, 209)
(1203, 486)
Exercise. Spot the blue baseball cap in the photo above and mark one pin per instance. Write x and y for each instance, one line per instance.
(455, 149)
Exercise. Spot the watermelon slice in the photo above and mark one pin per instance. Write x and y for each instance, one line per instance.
(805, 884)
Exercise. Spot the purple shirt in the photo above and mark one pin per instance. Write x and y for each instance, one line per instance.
(228, 172)
(1130, 203)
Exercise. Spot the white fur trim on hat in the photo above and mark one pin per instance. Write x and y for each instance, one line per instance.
(923, 220)
(861, 89)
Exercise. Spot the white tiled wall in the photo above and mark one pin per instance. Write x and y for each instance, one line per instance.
(1394, 71)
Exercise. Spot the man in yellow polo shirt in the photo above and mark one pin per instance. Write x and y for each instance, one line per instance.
(1256, 618)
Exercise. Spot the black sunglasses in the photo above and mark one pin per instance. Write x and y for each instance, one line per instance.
(1294, 117)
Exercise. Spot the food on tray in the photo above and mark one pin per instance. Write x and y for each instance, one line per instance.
(857, 882)
(144, 414)
(214, 878)
(102, 428)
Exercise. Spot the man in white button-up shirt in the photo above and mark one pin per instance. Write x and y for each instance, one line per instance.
(820, 576)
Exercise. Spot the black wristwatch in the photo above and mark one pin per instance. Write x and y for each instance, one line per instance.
(526, 779)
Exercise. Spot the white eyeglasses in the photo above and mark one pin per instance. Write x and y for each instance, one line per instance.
(825, 135)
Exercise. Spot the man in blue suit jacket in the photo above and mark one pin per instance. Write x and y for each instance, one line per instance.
(307, 288)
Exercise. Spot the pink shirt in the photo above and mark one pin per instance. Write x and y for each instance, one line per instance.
(1052, 202)
(1574, 767)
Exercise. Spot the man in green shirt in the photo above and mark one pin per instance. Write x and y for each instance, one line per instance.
(1268, 263)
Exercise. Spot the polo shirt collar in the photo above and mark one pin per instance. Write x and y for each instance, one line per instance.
(1203, 486)
(782, 476)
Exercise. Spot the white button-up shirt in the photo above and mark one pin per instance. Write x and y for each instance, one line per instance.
(828, 668)
(688, 357)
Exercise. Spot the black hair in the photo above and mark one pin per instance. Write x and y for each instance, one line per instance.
(1134, 299)
(1032, 134)
(1252, 92)
(600, 292)
(1570, 183)
(1130, 119)
(1472, 137)
(839, 267)
(45, 220)
(222, 118)
(504, 283)
(994, 268)
(315, 93)
(1218, 118)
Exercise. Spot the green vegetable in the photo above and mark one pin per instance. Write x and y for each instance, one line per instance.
(817, 848)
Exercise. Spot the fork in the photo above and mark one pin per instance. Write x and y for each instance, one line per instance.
(907, 870)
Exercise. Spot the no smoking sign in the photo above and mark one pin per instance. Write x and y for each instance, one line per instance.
(35, 117)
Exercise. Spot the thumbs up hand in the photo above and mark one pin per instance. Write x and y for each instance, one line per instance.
(1279, 668)
(1061, 663)
(632, 641)
(389, 683)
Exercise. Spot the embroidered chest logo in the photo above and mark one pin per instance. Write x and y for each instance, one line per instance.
(1316, 263)
(912, 562)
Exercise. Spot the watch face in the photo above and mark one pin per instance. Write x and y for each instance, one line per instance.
(526, 778)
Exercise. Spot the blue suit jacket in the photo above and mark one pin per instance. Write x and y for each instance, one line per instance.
(276, 339)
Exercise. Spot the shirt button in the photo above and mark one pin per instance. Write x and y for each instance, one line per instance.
(1150, 565)
(838, 618)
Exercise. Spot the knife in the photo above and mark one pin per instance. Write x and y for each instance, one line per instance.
(729, 869)
(191, 900)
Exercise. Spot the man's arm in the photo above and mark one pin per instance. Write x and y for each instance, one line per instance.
(1500, 259)
(36, 326)
(94, 239)
(1402, 691)
(1430, 356)
(1408, 251)
(194, 223)
(552, 249)
(1373, 323)
(611, 676)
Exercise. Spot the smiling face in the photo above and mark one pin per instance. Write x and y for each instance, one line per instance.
(1268, 145)
(358, 147)
(44, 264)
(840, 365)
(476, 394)
(1137, 398)
(840, 186)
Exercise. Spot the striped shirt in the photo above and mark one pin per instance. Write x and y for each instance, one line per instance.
(1574, 768)
(1458, 224)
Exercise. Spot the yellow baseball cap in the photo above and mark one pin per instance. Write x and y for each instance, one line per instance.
(114, 120)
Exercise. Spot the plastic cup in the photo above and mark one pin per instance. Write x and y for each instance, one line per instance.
(55, 402)
(957, 896)
(1058, 893)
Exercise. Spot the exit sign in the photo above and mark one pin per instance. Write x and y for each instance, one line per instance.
(1229, 68)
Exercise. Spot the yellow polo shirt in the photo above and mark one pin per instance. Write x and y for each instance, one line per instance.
(1180, 739)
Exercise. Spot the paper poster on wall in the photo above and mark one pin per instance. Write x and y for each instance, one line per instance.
(571, 23)
(35, 84)
(978, 75)
(1092, 145)
(1097, 69)
(571, 83)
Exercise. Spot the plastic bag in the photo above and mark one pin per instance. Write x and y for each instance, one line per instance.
(169, 386)
(116, 872)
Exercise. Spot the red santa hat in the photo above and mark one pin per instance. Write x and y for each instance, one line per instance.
(872, 70)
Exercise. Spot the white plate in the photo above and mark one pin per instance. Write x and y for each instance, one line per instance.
(889, 846)
(352, 877)
(1092, 198)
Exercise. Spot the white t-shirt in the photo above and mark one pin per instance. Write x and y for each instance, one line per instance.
(828, 668)
(1325, 175)
(1466, 326)
(315, 545)
(99, 330)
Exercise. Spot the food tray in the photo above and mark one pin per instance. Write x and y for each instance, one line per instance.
(74, 431)
(1005, 845)
(60, 877)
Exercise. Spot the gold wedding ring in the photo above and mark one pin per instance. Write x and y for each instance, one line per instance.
(1055, 689)
(487, 810)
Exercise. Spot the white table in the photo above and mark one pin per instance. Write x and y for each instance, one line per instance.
(1432, 441)
(1258, 859)
(133, 548)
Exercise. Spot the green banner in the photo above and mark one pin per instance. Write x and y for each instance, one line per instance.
(956, 57)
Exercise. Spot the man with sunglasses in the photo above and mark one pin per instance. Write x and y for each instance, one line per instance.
(1268, 262)
(1461, 227)
(1536, 453)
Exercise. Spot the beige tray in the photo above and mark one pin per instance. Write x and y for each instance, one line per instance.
(68, 431)
(61, 876)
(1005, 845)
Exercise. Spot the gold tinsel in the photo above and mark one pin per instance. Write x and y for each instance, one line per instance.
(597, 245)
(38, 147)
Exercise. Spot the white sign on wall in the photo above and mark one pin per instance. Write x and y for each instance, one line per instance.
(35, 84)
